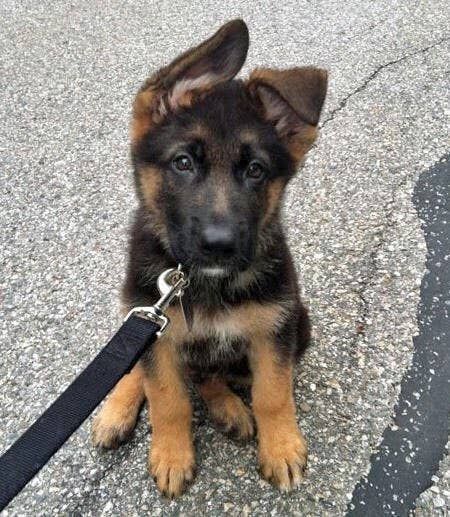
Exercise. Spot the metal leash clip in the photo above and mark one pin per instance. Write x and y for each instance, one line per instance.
(171, 284)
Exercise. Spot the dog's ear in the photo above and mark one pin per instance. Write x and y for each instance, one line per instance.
(216, 60)
(292, 101)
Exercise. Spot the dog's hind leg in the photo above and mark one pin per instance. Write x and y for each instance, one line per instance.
(226, 408)
(117, 419)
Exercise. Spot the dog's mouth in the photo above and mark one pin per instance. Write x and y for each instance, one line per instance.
(212, 269)
(215, 271)
(214, 261)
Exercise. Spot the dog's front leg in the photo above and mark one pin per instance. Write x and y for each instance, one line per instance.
(171, 458)
(282, 449)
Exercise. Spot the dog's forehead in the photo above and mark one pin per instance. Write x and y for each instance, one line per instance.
(225, 140)
(222, 142)
(225, 113)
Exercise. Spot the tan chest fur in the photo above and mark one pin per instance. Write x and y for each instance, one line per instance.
(247, 321)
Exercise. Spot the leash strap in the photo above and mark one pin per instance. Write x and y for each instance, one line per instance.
(36, 446)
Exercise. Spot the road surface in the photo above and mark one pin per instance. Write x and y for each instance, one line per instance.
(360, 217)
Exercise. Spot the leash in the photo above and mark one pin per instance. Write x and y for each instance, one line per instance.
(36, 446)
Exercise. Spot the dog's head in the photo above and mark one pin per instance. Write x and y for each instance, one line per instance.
(212, 155)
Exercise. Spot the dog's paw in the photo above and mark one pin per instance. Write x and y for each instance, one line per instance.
(111, 427)
(232, 416)
(172, 467)
(283, 459)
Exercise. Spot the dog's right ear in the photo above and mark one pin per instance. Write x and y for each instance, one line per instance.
(291, 100)
(216, 60)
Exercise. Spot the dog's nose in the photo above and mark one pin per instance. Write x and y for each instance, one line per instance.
(217, 239)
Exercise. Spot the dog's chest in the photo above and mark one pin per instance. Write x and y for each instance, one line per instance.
(214, 343)
(213, 355)
(222, 337)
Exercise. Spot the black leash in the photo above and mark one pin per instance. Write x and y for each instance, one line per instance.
(36, 446)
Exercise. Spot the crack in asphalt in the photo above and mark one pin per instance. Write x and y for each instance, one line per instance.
(390, 206)
(372, 268)
(374, 74)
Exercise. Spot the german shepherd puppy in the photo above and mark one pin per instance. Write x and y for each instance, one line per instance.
(212, 156)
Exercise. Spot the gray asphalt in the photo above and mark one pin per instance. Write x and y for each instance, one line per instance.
(68, 73)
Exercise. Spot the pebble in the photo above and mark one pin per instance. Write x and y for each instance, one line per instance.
(304, 407)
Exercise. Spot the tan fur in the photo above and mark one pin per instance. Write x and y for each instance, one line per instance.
(282, 449)
(221, 201)
(226, 408)
(198, 131)
(118, 416)
(274, 194)
(177, 96)
(141, 121)
(298, 146)
(171, 458)
(152, 104)
(249, 136)
(303, 89)
(151, 181)
(247, 320)
(173, 87)
(256, 319)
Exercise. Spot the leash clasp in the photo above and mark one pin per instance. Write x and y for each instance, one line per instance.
(171, 284)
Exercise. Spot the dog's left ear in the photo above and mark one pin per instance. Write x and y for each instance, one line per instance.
(216, 60)
(292, 101)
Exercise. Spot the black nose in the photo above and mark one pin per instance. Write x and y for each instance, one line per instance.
(217, 239)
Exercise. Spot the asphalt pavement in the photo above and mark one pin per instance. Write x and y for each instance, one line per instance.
(361, 241)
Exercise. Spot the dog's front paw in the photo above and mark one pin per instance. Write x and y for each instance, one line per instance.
(172, 466)
(283, 458)
(112, 427)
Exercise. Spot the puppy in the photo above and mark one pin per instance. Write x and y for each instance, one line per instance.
(212, 156)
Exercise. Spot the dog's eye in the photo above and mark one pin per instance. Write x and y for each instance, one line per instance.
(255, 171)
(183, 163)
